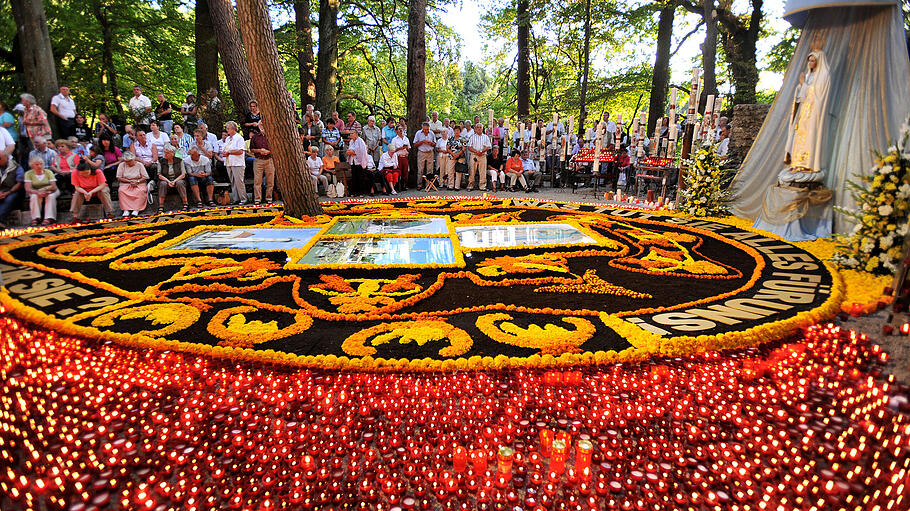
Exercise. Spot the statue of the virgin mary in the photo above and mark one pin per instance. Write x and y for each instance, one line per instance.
(794, 207)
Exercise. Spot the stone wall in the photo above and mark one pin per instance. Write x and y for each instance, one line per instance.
(746, 121)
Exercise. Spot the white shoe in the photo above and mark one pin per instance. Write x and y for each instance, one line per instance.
(394, 192)
(126, 214)
(135, 213)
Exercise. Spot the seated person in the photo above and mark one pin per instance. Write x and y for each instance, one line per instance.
(41, 187)
(171, 175)
(11, 178)
(89, 183)
(514, 169)
(329, 163)
(495, 168)
(314, 165)
(199, 170)
(532, 176)
(388, 168)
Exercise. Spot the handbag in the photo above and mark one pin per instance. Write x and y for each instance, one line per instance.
(331, 191)
(339, 190)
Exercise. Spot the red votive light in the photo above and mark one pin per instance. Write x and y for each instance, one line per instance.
(558, 458)
(583, 451)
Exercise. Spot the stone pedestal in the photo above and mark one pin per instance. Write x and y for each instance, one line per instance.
(746, 121)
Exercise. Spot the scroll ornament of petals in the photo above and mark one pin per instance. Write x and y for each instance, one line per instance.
(534, 263)
(592, 284)
(550, 339)
(99, 248)
(237, 330)
(168, 317)
(361, 344)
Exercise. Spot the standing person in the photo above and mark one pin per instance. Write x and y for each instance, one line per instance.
(478, 145)
(425, 142)
(8, 124)
(339, 124)
(64, 109)
(171, 174)
(458, 166)
(312, 134)
(7, 142)
(402, 147)
(88, 183)
(41, 188)
(132, 194)
(164, 113)
(331, 137)
(351, 126)
(199, 170)
(262, 165)
(388, 133)
(213, 109)
(234, 161)
(610, 129)
(388, 165)
(11, 179)
(372, 136)
(444, 157)
(252, 121)
(361, 163)
(436, 125)
(35, 120)
(190, 112)
(141, 109)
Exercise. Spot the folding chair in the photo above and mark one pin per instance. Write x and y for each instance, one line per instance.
(431, 182)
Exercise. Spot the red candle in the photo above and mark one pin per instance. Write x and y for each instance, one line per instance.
(583, 451)
(504, 461)
(546, 441)
(558, 459)
(459, 459)
(479, 461)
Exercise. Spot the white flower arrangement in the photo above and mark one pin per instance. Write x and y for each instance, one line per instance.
(882, 214)
(706, 193)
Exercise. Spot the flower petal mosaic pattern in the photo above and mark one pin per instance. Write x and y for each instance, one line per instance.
(424, 284)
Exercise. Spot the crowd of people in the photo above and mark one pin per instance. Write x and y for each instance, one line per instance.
(167, 150)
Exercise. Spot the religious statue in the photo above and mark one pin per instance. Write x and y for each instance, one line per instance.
(804, 151)
(795, 207)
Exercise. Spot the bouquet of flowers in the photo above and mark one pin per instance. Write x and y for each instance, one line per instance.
(882, 213)
(706, 194)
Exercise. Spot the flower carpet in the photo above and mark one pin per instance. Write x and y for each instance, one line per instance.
(435, 354)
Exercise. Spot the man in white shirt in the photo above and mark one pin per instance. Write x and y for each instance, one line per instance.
(210, 137)
(609, 128)
(478, 146)
(402, 146)
(146, 152)
(436, 125)
(723, 147)
(64, 109)
(141, 109)
(449, 127)
(199, 170)
(233, 154)
(425, 142)
(7, 144)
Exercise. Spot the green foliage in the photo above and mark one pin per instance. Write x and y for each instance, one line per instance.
(882, 216)
(706, 193)
(782, 53)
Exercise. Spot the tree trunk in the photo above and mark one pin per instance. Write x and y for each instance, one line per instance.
(206, 50)
(305, 53)
(523, 18)
(417, 86)
(661, 77)
(739, 43)
(327, 63)
(37, 55)
(296, 187)
(709, 54)
(108, 72)
(583, 99)
(232, 58)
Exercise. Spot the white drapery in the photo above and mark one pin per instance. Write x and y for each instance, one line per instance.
(869, 100)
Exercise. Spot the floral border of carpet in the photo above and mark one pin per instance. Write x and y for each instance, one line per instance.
(568, 302)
